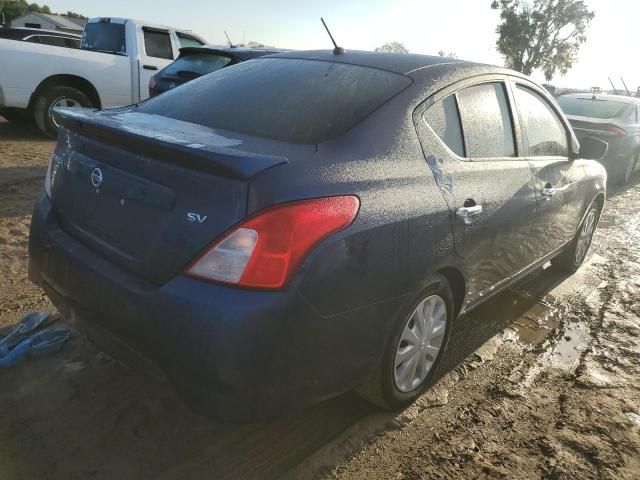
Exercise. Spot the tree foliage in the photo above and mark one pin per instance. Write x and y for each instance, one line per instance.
(541, 34)
(16, 8)
(393, 47)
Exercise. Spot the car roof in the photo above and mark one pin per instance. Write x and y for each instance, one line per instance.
(402, 63)
(603, 97)
(237, 52)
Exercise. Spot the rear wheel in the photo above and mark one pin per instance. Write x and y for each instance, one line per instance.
(411, 356)
(52, 97)
(571, 259)
(630, 167)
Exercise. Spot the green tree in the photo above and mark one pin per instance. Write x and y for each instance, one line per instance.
(393, 47)
(541, 34)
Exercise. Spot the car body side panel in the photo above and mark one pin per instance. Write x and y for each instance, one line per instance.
(402, 231)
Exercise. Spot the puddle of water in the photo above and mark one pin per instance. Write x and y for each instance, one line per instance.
(634, 417)
(540, 323)
(574, 341)
(534, 326)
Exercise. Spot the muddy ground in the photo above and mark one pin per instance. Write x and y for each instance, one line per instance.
(541, 382)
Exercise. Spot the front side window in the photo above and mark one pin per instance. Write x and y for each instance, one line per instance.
(543, 129)
(157, 44)
(486, 121)
(444, 120)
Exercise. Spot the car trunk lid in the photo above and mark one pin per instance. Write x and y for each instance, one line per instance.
(147, 192)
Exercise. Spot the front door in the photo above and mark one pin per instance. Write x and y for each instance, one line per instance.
(558, 181)
(156, 52)
(489, 189)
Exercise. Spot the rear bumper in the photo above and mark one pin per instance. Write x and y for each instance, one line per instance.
(235, 354)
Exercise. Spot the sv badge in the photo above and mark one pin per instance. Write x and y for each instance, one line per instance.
(196, 217)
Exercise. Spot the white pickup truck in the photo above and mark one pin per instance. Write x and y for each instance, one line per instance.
(112, 68)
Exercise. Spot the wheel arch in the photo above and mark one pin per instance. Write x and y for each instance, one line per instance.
(458, 285)
(65, 80)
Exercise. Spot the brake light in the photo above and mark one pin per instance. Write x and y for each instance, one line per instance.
(152, 83)
(266, 250)
(614, 131)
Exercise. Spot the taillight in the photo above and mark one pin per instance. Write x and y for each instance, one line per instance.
(613, 131)
(266, 250)
(152, 83)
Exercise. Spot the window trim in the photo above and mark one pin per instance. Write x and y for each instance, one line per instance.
(456, 87)
(559, 116)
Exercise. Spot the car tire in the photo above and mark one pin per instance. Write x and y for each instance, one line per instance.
(388, 388)
(626, 173)
(575, 253)
(51, 97)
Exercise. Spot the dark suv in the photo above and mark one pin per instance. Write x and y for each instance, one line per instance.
(308, 223)
(195, 62)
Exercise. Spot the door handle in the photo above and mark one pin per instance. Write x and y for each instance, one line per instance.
(467, 213)
(150, 67)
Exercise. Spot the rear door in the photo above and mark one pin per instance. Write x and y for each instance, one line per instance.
(558, 181)
(489, 189)
(156, 51)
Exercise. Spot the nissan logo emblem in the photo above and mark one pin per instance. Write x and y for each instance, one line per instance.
(96, 177)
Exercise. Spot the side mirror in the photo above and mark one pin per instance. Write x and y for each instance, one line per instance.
(592, 149)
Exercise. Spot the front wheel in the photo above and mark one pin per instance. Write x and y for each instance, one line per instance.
(571, 259)
(59, 96)
(411, 356)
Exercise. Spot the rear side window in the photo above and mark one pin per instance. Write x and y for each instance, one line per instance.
(543, 129)
(157, 44)
(104, 36)
(197, 64)
(486, 121)
(444, 120)
(297, 101)
(186, 41)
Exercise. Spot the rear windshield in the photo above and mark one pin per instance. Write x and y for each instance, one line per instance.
(297, 101)
(105, 37)
(197, 63)
(586, 107)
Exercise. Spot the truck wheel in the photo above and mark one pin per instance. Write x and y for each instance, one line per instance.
(58, 96)
(412, 355)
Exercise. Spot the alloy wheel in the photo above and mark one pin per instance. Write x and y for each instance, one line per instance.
(586, 234)
(62, 102)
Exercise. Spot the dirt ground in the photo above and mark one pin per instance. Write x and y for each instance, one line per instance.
(541, 382)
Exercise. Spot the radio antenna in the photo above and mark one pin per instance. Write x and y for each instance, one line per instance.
(231, 45)
(336, 49)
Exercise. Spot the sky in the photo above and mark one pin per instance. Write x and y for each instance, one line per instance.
(464, 27)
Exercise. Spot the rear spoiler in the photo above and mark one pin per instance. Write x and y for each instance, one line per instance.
(168, 140)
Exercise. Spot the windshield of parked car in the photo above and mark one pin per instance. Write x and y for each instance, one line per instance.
(197, 63)
(298, 101)
(587, 107)
(104, 37)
